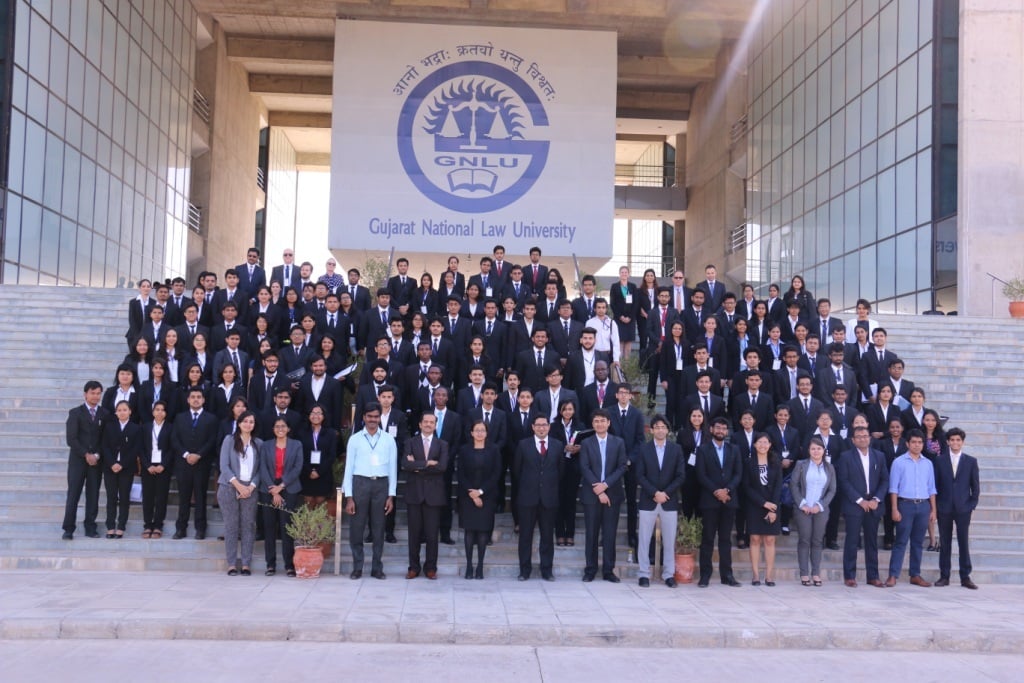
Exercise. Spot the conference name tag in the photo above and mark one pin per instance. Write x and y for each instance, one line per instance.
(374, 459)
(157, 456)
(314, 457)
(629, 298)
(393, 430)
(679, 364)
(785, 455)
(692, 460)
(843, 432)
(489, 292)
(423, 310)
(776, 364)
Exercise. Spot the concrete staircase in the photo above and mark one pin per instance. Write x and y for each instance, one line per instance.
(965, 380)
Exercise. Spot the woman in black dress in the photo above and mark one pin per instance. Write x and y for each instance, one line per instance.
(762, 483)
(479, 466)
(674, 354)
(566, 429)
(624, 303)
(319, 451)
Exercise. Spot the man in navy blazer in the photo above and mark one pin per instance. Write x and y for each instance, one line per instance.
(714, 291)
(251, 275)
(537, 467)
(628, 424)
(602, 468)
(194, 445)
(957, 484)
(660, 471)
(863, 482)
(719, 472)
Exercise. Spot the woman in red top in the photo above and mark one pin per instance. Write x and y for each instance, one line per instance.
(280, 484)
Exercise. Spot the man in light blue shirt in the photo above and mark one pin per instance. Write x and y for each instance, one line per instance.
(371, 481)
(912, 494)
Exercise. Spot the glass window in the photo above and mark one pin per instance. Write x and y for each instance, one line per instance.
(886, 269)
(925, 250)
(86, 192)
(836, 290)
(838, 84)
(39, 49)
(906, 93)
(50, 237)
(887, 37)
(887, 203)
(12, 236)
(868, 272)
(907, 35)
(94, 33)
(822, 230)
(836, 227)
(58, 79)
(887, 103)
(31, 233)
(869, 53)
(109, 44)
(906, 199)
(853, 65)
(37, 101)
(35, 140)
(924, 78)
(906, 139)
(869, 161)
(924, 187)
(83, 259)
(852, 137)
(868, 211)
(906, 262)
(887, 150)
(72, 164)
(67, 257)
(851, 220)
(54, 170)
(16, 152)
(924, 129)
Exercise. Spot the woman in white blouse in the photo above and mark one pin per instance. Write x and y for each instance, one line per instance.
(236, 492)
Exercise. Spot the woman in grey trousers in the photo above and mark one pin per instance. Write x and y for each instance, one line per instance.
(813, 485)
(237, 491)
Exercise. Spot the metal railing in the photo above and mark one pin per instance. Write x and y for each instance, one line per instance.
(261, 178)
(661, 175)
(200, 105)
(738, 238)
(195, 218)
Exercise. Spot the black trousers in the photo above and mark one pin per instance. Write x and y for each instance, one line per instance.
(274, 522)
(155, 488)
(602, 525)
(543, 517)
(449, 507)
(690, 492)
(890, 526)
(369, 495)
(718, 521)
(568, 492)
(119, 488)
(82, 475)
(832, 526)
(963, 523)
(193, 481)
(632, 512)
(424, 523)
(856, 522)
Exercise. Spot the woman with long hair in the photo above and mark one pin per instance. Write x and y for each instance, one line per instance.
(280, 486)
(319, 451)
(763, 488)
(479, 467)
(238, 486)
(813, 486)
(566, 429)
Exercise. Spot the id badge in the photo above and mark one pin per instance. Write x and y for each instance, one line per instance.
(314, 457)
(711, 362)
(843, 432)
(776, 364)
(679, 364)
(692, 460)
(423, 310)
(393, 430)
(489, 292)
(374, 459)
(629, 298)
(785, 455)
(828, 458)
(157, 457)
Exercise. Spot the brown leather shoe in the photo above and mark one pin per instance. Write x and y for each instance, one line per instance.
(431, 574)
(851, 583)
(877, 583)
(412, 574)
(918, 581)
(890, 582)
(967, 583)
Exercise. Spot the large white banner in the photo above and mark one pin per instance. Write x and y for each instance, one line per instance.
(457, 138)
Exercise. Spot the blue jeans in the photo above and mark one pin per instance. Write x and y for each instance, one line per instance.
(911, 528)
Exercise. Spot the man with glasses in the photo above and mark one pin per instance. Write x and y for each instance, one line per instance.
(288, 275)
(680, 292)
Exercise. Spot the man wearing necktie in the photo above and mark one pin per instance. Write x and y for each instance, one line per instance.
(536, 467)
(194, 444)
(84, 431)
(957, 485)
(602, 467)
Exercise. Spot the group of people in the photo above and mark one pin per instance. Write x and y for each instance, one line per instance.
(499, 377)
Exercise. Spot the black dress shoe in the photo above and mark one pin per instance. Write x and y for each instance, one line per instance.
(369, 538)
(200, 535)
(390, 538)
(469, 572)
(644, 582)
(547, 576)
(356, 574)
(887, 545)
(524, 577)
(378, 574)
(611, 578)
(670, 582)
(92, 534)
(67, 536)
(447, 539)
(703, 583)
(731, 581)
(259, 537)
(967, 583)
(587, 578)
(943, 581)
(178, 535)
(742, 544)
(832, 545)
(479, 574)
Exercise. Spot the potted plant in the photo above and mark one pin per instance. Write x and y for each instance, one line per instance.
(310, 528)
(688, 535)
(1014, 291)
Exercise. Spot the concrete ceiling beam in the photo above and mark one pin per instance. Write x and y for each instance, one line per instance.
(298, 119)
(274, 84)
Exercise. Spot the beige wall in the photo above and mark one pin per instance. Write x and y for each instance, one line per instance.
(991, 152)
(224, 179)
(714, 187)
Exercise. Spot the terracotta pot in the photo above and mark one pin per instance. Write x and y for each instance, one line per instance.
(327, 550)
(1017, 309)
(685, 566)
(308, 562)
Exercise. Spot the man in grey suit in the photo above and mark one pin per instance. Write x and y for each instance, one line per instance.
(602, 466)
(84, 430)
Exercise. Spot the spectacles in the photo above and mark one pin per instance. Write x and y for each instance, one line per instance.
(287, 254)
(676, 277)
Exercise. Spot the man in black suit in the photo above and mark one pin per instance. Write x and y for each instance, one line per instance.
(598, 394)
(228, 321)
(194, 442)
(485, 281)
(535, 274)
(534, 363)
(280, 406)
(375, 323)
(719, 472)
(288, 275)
(874, 365)
(776, 308)
(251, 275)
(712, 406)
(84, 432)
(700, 365)
(520, 292)
(958, 489)
(694, 315)
(265, 382)
(824, 325)
(425, 461)
(565, 332)
(836, 373)
(520, 426)
(359, 293)
(296, 355)
(812, 360)
(495, 418)
(714, 291)
(788, 375)
(231, 293)
(863, 481)
(231, 354)
(401, 287)
(494, 331)
(628, 425)
(843, 413)
(805, 408)
(449, 428)
(188, 330)
(316, 387)
(154, 329)
(443, 351)
(547, 400)
(660, 471)
(502, 269)
(456, 327)
(537, 468)
(583, 305)
(602, 468)
(549, 304)
(756, 401)
(902, 388)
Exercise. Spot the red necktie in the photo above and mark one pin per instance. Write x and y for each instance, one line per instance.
(543, 448)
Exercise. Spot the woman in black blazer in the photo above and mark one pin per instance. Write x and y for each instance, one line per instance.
(477, 350)
(261, 329)
(762, 486)
(479, 468)
(674, 355)
(123, 389)
(192, 378)
(736, 344)
(122, 446)
(472, 304)
(319, 451)
(424, 297)
(798, 292)
(228, 388)
(158, 387)
(566, 429)
(881, 411)
(139, 359)
(690, 436)
(157, 464)
(625, 306)
(647, 298)
(786, 442)
(715, 343)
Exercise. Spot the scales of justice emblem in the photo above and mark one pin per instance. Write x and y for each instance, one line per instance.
(470, 137)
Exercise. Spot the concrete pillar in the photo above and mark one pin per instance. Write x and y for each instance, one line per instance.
(990, 221)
